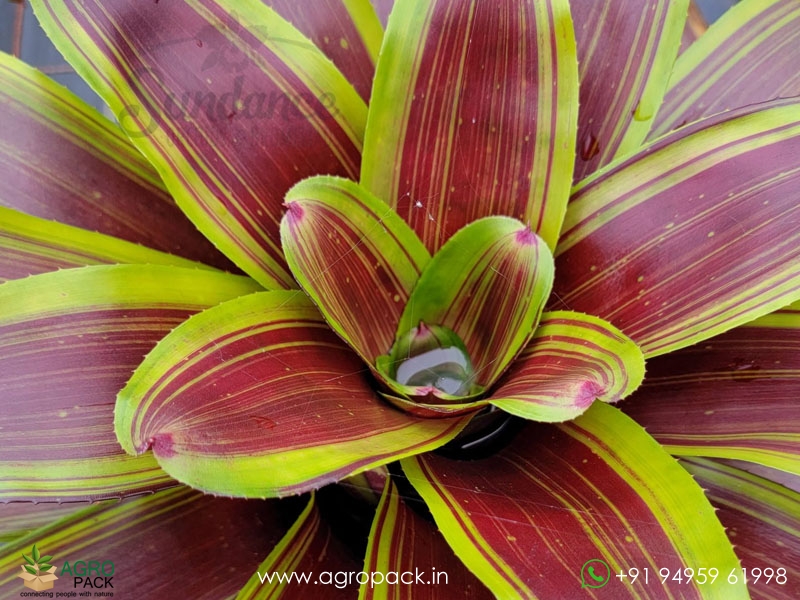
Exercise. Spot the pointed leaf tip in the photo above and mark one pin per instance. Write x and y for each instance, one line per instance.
(588, 392)
(355, 258)
(267, 355)
(488, 284)
(294, 212)
(474, 112)
(526, 237)
(572, 360)
(69, 341)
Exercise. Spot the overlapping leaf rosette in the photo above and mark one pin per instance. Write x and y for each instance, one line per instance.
(424, 287)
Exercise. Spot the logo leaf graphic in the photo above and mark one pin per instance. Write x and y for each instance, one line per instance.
(28, 559)
(35, 553)
(46, 559)
(31, 570)
(44, 567)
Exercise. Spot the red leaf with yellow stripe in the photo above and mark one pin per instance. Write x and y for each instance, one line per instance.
(408, 546)
(68, 342)
(153, 548)
(295, 565)
(355, 257)
(348, 32)
(762, 519)
(733, 396)
(238, 392)
(209, 92)
(674, 257)
(571, 361)
(30, 246)
(626, 50)
(474, 114)
(61, 160)
(745, 58)
(528, 518)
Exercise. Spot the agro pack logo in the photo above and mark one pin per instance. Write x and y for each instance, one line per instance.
(90, 578)
(37, 572)
(91, 574)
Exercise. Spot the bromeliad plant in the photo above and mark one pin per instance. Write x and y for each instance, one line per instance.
(417, 186)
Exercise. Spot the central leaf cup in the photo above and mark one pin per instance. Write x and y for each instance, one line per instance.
(431, 356)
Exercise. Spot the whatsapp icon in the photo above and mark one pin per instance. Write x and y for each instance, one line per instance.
(595, 573)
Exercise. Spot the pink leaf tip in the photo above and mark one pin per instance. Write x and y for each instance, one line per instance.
(526, 237)
(294, 210)
(589, 392)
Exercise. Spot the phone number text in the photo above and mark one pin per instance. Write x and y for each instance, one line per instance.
(703, 575)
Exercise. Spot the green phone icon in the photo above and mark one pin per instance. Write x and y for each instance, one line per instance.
(595, 573)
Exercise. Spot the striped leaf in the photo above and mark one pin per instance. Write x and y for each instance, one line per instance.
(347, 31)
(762, 519)
(231, 102)
(30, 245)
(626, 51)
(68, 343)
(61, 160)
(154, 545)
(431, 405)
(355, 257)
(406, 544)
(527, 519)
(307, 548)
(784, 478)
(488, 284)
(257, 397)
(571, 361)
(734, 396)
(748, 56)
(692, 236)
(474, 113)
(19, 519)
